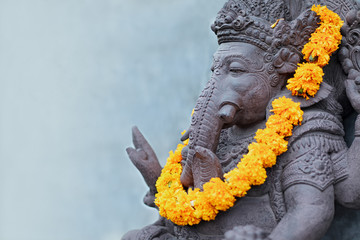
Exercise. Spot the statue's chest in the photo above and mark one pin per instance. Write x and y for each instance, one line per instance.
(253, 209)
(231, 149)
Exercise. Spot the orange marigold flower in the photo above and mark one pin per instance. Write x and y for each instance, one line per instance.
(329, 29)
(327, 16)
(326, 41)
(262, 151)
(180, 211)
(306, 81)
(237, 181)
(203, 208)
(288, 109)
(317, 54)
(169, 177)
(218, 194)
(280, 125)
(273, 140)
(255, 172)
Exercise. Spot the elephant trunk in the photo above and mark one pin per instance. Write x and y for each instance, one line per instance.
(206, 124)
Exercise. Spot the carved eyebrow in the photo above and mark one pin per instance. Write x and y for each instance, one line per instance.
(219, 61)
(243, 58)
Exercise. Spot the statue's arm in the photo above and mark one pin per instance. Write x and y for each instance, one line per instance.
(347, 191)
(309, 213)
(307, 182)
(145, 160)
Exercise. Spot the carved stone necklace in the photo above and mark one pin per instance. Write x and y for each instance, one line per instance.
(231, 148)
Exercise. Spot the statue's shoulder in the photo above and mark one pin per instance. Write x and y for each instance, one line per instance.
(320, 125)
(316, 152)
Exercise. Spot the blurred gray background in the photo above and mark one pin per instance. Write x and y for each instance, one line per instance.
(75, 76)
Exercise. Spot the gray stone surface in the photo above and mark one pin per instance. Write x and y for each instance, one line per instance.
(74, 77)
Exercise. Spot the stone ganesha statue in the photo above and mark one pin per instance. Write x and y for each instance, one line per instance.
(250, 69)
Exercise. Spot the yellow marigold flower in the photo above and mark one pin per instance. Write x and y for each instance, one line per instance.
(306, 80)
(326, 41)
(174, 157)
(273, 140)
(262, 151)
(182, 212)
(257, 175)
(203, 208)
(237, 182)
(175, 170)
(253, 169)
(280, 125)
(177, 154)
(160, 201)
(163, 182)
(249, 160)
(170, 175)
(327, 16)
(288, 109)
(317, 54)
(218, 194)
(329, 30)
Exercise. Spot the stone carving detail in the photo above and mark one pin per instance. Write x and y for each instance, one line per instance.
(276, 195)
(314, 168)
(231, 149)
(250, 69)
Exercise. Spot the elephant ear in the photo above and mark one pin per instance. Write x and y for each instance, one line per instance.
(289, 40)
(324, 92)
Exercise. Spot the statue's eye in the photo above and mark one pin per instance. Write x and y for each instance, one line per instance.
(237, 67)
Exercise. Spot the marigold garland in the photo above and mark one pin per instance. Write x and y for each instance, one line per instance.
(323, 42)
(189, 208)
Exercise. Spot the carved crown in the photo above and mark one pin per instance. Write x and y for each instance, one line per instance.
(250, 21)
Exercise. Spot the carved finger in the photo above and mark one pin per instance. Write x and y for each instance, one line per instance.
(150, 170)
(204, 153)
(186, 177)
(141, 143)
(184, 153)
(207, 164)
(131, 152)
(136, 155)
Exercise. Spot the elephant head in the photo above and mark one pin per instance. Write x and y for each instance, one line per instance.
(250, 67)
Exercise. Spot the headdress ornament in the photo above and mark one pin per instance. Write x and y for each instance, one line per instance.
(251, 22)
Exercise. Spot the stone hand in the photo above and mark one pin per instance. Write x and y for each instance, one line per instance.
(353, 92)
(144, 159)
(206, 165)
